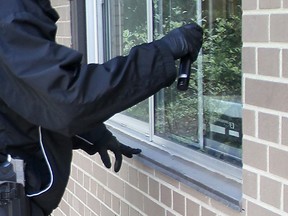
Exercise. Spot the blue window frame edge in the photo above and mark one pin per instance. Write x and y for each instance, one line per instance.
(190, 173)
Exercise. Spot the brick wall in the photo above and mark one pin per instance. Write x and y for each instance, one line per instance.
(139, 190)
(63, 24)
(136, 190)
(265, 171)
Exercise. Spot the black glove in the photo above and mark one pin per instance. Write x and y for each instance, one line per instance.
(107, 142)
(118, 149)
(186, 40)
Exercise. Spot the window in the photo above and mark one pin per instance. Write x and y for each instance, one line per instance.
(208, 116)
(205, 122)
(127, 27)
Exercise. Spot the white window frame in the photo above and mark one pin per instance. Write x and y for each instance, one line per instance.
(143, 133)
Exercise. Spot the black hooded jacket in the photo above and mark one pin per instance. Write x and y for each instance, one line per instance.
(47, 96)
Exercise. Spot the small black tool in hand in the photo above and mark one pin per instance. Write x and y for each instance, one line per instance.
(184, 73)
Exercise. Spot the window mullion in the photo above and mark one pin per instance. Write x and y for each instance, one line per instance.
(200, 85)
(150, 27)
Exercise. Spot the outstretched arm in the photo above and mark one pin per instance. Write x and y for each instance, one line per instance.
(46, 84)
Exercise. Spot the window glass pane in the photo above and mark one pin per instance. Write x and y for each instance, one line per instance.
(127, 27)
(207, 116)
(176, 114)
(222, 79)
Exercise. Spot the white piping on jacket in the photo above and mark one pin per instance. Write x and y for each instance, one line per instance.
(85, 140)
(49, 167)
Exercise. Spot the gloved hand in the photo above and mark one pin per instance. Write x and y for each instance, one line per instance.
(107, 142)
(118, 149)
(186, 40)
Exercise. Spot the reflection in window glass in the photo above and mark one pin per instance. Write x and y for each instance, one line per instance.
(127, 27)
(207, 116)
(176, 114)
(222, 78)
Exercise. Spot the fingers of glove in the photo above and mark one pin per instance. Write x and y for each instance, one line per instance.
(105, 158)
(113, 144)
(125, 150)
(184, 40)
(118, 161)
(128, 151)
(193, 34)
(193, 27)
(176, 42)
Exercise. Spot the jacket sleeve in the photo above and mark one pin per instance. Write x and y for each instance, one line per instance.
(47, 85)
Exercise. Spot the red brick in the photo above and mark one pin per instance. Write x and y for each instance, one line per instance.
(154, 188)
(207, 212)
(268, 127)
(80, 193)
(100, 193)
(249, 60)
(178, 203)
(285, 63)
(74, 213)
(93, 203)
(279, 27)
(100, 173)
(248, 122)
(286, 198)
(133, 176)
(284, 138)
(80, 177)
(65, 207)
(134, 197)
(249, 4)
(133, 212)
(170, 213)
(269, 61)
(152, 208)
(270, 191)
(124, 208)
(269, 4)
(255, 154)
(278, 162)
(166, 197)
(116, 204)
(192, 208)
(106, 211)
(266, 94)
(124, 172)
(250, 184)
(260, 31)
(143, 182)
(256, 210)
(116, 184)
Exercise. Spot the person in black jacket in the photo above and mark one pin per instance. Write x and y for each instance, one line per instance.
(50, 103)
